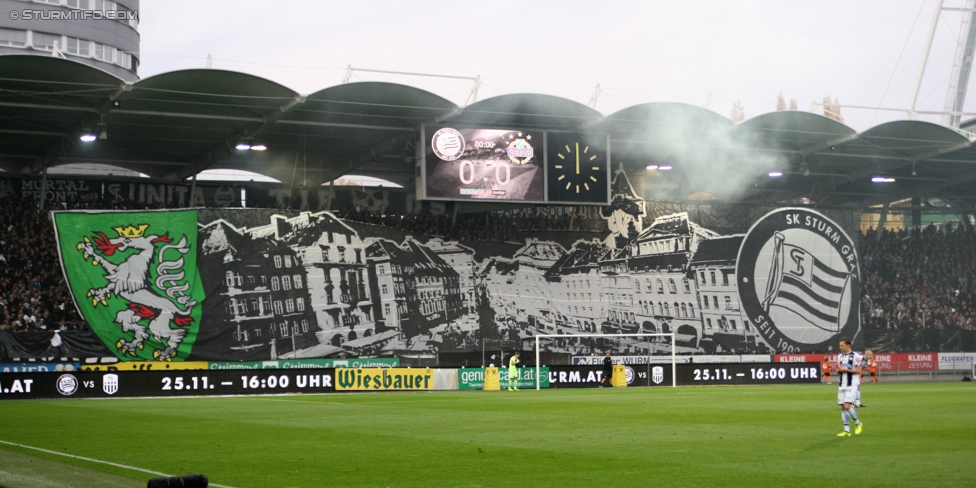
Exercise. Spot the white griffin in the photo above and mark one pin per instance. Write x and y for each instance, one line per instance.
(130, 280)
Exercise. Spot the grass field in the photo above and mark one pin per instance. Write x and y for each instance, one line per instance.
(916, 434)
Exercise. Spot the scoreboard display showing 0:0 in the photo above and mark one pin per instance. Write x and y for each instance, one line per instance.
(483, 164)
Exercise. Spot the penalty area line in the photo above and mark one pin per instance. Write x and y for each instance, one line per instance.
(99, 461)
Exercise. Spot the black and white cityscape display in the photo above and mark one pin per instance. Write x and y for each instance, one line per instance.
(309, 284)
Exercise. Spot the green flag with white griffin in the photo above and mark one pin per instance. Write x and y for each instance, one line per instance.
(134, 278)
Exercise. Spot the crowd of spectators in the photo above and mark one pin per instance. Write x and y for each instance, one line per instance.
(919, 279)
(32, 291)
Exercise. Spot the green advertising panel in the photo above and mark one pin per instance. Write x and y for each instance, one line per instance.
(134, 278)
(474, 378)
(309, 363)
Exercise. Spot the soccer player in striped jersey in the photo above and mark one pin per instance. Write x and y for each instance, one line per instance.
(849, 372)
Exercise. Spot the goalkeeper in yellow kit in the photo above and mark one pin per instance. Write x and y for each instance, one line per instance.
(513, 372)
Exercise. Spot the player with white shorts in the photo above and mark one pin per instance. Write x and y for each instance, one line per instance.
(849, 369)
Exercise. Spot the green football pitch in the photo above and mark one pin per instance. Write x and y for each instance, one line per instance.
(915, 434)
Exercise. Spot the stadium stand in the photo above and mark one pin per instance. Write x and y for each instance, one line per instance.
(916, 280)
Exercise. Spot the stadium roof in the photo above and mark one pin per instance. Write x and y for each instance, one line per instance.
(176, 124)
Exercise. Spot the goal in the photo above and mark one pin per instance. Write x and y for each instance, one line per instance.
(674, 369)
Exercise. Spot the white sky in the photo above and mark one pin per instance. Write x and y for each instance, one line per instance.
(638, 51)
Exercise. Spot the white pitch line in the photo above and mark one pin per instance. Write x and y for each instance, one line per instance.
(91, 460)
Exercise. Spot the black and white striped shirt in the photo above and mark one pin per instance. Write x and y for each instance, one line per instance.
(850, 360)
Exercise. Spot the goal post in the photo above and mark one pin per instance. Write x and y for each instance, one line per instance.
(672, 335)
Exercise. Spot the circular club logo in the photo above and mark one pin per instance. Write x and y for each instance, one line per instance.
(519, 150)
(630, 375)
(67, 384)
(798, 280)
(447, 144)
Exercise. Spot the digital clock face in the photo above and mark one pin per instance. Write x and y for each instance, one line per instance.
(483, 164)
(577, 168)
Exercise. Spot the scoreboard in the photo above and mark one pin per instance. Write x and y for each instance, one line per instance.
(513, 165)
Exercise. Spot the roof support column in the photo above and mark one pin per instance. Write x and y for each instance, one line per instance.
(882, 221)
(331, 194)
(193, 190)
(964, 220)
(917, 213)
(40, 206)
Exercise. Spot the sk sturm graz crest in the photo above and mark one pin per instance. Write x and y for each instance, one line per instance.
(799, 280)
(134, 279)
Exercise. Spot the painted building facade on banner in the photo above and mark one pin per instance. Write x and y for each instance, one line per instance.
(724, 322)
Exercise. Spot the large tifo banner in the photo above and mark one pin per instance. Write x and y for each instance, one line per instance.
(263, 285)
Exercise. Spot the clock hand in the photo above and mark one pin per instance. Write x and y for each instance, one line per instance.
(577, 158)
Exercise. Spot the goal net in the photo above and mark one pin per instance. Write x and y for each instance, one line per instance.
(621, 341)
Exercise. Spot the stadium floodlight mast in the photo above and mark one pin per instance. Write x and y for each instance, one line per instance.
(674, 368)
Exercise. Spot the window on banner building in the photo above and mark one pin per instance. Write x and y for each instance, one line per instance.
(298, 281)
